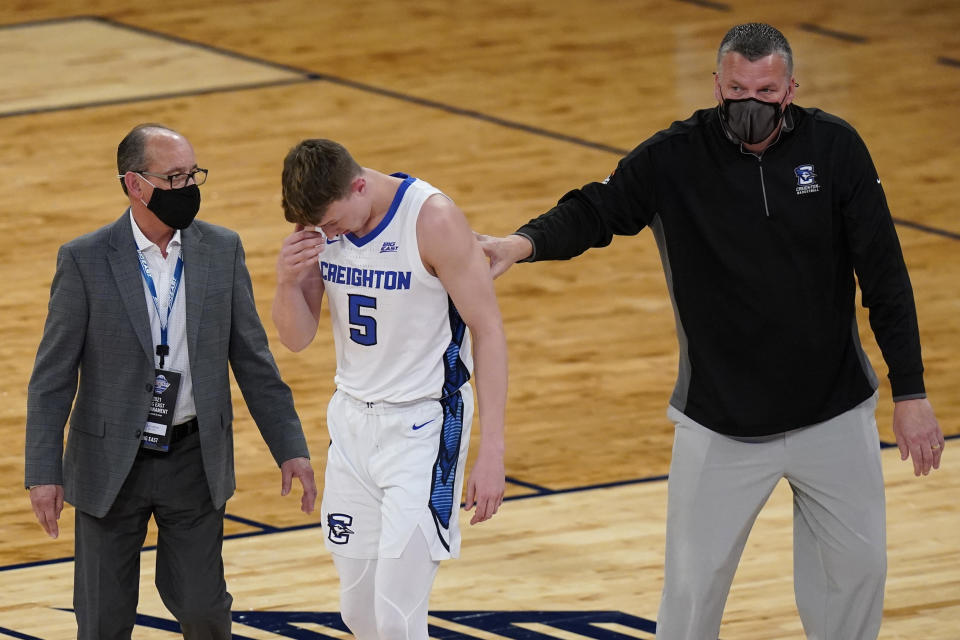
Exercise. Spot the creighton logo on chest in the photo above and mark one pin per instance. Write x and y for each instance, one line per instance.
(806, 179)
(368, 265)
(388, 279)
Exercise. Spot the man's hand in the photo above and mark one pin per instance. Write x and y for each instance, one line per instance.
(504, 252)
(299, 468)
(486, 486)
(47, 502)
(918, 434)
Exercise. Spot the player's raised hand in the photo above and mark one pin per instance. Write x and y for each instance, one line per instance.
(298, 254)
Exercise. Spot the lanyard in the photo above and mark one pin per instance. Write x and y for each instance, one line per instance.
(163, 348)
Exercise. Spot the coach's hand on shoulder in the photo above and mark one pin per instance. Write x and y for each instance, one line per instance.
(47, 503)
(486, 485)
(503, 252)
(918, 434)
(301, 469)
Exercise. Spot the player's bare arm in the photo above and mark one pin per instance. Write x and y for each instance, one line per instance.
(297, 300)
(449, 250)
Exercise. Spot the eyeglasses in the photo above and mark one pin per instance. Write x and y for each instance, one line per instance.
(178, 180)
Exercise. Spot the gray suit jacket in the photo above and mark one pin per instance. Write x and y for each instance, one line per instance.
(98, 332)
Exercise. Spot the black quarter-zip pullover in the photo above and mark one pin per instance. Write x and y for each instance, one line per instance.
(760, 253)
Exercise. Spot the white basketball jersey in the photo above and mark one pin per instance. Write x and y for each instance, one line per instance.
(397, 334)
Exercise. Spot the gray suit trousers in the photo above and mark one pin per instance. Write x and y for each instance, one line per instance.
(173, 489)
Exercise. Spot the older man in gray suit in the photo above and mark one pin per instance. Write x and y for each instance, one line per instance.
(151, 426)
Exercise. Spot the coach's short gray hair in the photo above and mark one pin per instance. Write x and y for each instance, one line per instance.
(755, 40)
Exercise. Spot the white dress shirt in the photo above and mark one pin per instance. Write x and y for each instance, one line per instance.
(161, 270)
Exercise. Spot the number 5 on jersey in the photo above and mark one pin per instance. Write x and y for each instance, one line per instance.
(363, 328)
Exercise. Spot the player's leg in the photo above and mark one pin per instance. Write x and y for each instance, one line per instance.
(357, 595)
(403, 591)
(419, 466)
(350, 511)
(839, 525)
(717, 487)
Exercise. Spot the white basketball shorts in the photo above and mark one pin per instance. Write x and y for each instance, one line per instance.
(392, 468)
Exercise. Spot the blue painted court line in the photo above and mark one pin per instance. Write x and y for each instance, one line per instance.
(250, 523)
(953, 235)
(527, 485)
(16, 634)
(304, 75)
(38, 563)
(155, 96)
(265, 529)
(591, 487)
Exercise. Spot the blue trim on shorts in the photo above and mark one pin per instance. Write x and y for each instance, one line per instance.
(442, 502)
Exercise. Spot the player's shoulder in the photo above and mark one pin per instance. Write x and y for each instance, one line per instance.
(439, 209)
(442, 228)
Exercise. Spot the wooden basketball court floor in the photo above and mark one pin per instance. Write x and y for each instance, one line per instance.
(505, 106)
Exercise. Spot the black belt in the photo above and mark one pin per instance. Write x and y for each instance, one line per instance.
(180, 431)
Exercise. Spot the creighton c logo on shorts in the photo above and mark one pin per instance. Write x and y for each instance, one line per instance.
(338, 525)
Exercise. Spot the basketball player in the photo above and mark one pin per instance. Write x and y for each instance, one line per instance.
(408, 288)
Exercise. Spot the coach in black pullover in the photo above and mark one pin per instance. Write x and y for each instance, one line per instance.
(764, 213)
(760, 257)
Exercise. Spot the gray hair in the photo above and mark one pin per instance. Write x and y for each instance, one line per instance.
(132, 150)
(755, 40)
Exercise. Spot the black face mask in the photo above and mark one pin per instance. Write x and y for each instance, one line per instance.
(175, 208)
(749, 120)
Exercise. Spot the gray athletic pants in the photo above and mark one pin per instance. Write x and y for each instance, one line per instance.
(716, 489)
